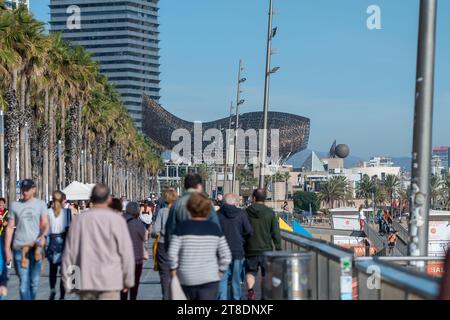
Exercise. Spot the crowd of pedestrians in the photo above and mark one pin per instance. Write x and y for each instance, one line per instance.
(209, 249)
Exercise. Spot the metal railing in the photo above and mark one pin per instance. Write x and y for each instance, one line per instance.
(329, 266)
(402, 231)
(334, 270)
(380, 242)
(381, 278)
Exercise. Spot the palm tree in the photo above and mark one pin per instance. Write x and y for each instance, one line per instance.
(436, 190)
(55, 78)
(335, 189)
(446, 191)
(10, 61)
(391, 185)
(364, 188)
(285, 176)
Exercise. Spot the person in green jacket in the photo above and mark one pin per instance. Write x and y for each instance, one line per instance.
(266, 236)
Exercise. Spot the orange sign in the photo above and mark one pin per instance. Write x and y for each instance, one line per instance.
(435, 268)
(360, 250)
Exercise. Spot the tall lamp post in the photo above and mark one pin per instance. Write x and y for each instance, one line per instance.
(239, 101)
(271, 32)
(225, 177)
(422, 136)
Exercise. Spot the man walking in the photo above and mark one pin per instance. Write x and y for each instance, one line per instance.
(237, 228)
(179, 212)
(98, 261)
(265, 232)
(30, 219)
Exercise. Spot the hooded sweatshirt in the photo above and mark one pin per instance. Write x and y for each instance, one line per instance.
(265, 230)
(236, 227)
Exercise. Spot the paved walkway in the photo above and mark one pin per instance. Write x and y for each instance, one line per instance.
(149, 288)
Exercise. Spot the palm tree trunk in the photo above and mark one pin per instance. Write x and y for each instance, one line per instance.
(73, 142)
(44, 138)
(12, 125)
(51, 144)
(22, 130)
(63, 142)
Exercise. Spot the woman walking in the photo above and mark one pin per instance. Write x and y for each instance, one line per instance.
(138, 235)
(170, 196)
(362, 218)
(198, 252)
(59, 221)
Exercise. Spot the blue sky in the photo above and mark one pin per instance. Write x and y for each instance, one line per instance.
(356, 85)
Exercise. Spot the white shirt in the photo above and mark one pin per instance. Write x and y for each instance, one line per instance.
(146, 218)
(57, 224)
(362, 216)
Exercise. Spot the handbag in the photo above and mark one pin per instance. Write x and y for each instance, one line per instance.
(154, 252)
(176, 291)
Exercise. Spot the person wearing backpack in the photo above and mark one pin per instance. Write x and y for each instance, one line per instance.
(59, 222)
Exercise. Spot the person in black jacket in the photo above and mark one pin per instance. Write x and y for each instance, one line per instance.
(237, 229)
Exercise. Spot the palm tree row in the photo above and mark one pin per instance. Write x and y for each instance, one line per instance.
(391, 188)
(336, 191)
(440, 192)
(383, 191)
(55, 98)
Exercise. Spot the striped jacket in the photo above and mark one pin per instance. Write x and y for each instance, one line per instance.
(198, 251)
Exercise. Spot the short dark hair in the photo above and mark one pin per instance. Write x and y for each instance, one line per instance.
(192, 180)
(116, 204)
(100, 193)
(3, 199)
(259, 195)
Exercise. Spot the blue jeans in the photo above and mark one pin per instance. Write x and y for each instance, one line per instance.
(28, 277)
(234, 272)
(3, 270)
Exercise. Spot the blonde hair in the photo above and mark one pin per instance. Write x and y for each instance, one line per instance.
(58, 197)
(170, 196)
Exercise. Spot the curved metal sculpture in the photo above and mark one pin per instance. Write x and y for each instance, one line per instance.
(159, 124)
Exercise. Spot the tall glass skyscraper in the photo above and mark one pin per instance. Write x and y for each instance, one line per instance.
(123, 37)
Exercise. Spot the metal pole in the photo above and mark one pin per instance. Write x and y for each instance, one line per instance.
(422, 137)
(266, 99)
(2, 152)
(238, 103)
(226, 146)
(82, 166)
(26, 153)
(60, 182)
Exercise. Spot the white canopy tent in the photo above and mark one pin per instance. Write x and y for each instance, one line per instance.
(78, 191)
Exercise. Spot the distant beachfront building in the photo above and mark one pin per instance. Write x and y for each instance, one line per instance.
(13, 4)
(378, 166)
(123, 37)
(442, 152)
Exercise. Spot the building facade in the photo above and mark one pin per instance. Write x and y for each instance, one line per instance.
(123, 37)
(442, 153)
(13, 4)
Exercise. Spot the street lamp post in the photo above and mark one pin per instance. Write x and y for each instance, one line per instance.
(26, 152)
(239, 101)
(226, 147)
(422, 136)
(270, 34)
